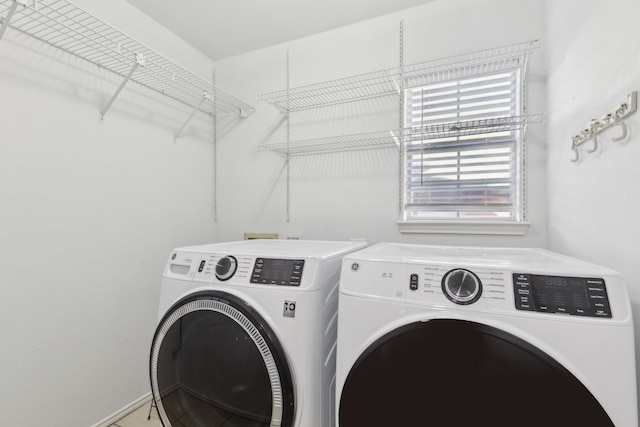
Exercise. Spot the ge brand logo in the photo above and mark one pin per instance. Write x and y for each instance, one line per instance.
(289, 309)
(355, 266)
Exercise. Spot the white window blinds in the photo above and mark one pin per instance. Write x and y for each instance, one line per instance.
(462, 156)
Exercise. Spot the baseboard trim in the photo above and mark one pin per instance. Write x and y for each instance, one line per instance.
(124, 411)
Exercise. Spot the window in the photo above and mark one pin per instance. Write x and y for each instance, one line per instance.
(463, 148)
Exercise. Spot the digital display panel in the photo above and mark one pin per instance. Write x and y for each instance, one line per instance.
(557, 294)
(283, 272)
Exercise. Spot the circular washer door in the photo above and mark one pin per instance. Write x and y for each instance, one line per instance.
(451, 373)
(215, 362)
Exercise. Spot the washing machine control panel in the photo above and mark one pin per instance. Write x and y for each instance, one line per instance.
(239, 269)
(558, 294)
(281, 272)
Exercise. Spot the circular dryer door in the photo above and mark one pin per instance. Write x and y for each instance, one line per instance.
(215, 362)
(451, 373)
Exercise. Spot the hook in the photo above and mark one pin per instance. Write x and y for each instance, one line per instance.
(595, 145)
(586, 134)
(624, 131)
(577, 153)
(596, 125)
(607, 119)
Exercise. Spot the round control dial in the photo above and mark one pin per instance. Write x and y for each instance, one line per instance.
(226, 267)
(462, 286)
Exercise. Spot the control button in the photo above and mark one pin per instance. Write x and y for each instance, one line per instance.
(201, 267)
(226, 268)
(523, 292)
(413, 282)
(461, 286)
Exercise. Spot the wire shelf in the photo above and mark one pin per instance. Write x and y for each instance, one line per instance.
(391, 81)
(382, 139)
(363, 86)
(470, 65)
(473, 127)
(67, 27)
(393, 138)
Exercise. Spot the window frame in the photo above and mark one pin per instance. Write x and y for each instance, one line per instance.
(518, 225)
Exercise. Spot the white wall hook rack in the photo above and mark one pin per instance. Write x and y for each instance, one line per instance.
(597, 126)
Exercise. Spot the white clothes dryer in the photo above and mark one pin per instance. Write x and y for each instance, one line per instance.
(246, 334)
(460, 336)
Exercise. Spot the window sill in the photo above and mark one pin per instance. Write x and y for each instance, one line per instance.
(501, 228)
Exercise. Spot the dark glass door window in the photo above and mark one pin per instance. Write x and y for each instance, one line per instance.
(214, 363)
(449, 373)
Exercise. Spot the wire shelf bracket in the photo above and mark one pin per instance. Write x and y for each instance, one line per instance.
(139, 61)
(7, 19)
(61, 24)
(205, 97)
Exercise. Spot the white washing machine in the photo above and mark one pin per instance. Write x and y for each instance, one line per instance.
(246, 334)
(446, 336)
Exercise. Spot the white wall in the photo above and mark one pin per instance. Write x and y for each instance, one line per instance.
(89, 213)
(355, 194)
(594, 62)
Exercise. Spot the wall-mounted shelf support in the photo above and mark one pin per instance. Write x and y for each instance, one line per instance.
(287, 110)
(7, 19)
(397, 85)
(205, 96)
(597, 126)
(139, 61)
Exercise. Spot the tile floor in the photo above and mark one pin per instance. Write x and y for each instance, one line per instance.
(138, 418)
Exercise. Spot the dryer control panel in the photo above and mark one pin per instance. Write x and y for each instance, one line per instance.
(559, 294)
